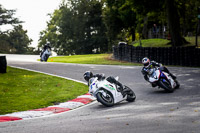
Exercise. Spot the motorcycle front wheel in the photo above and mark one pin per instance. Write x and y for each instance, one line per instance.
(166, 86)
(46, 57)
(107, 100)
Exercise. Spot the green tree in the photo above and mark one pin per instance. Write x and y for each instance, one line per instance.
(76, 28)
(174, 23)
(16, 40)
(180, 17)
(4, 44)
(51, 33)
(6, 16)
(19, 40)
(120, 20)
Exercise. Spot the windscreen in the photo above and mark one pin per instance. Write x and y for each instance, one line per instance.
(91, 80)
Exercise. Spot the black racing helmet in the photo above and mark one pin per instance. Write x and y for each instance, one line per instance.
(87, 75)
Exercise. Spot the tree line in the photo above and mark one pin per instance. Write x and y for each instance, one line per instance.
(94, 26)
(15, 40)
(88, 26)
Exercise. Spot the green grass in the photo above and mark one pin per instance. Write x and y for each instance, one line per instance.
(192, 40)
(103, 59)
(163, 42)
(153, 43)
(22, 90)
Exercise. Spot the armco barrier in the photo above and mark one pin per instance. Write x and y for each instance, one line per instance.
(182, 56)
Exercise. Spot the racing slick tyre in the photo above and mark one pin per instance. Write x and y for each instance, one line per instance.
(107, 100)
(166, 85)
(130, 94)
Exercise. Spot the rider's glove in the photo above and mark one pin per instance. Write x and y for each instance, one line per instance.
(144, 72)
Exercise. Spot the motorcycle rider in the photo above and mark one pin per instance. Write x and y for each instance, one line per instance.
(46, 46)
(88, 75)
(149, 65)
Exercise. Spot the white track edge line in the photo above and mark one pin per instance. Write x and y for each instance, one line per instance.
(50, 74)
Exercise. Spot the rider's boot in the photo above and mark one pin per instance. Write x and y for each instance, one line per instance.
(153, 84)
(119, 85)
(173, 76)
(122, 90)
(166, 70)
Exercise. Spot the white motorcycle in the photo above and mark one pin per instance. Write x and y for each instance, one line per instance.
(163, 80)
(107, 93)
(45, 55)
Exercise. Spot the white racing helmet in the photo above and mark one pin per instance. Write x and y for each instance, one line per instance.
(145, 61)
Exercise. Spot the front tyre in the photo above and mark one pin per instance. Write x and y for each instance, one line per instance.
(107, 100)
(166, 85)
(46, 57)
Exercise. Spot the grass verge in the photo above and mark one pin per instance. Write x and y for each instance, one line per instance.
(22, 90)
(103, 59)
(153, 43)
(156, 42)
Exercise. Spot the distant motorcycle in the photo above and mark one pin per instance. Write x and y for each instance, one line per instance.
(163, 80)
(107, 93)
(45, 54)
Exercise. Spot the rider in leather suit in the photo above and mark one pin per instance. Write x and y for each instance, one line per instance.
(87, 75)
(148, 65)
(46, 46)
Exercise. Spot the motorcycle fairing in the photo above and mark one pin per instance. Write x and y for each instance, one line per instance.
(165, 76)
(154, 76)
(102, 87)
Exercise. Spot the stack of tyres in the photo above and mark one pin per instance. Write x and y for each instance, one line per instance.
(150, 53)
(162, 55)
(120, 53)
(181, 56)
(165, 61)
(170, 55)
(177, 57)
(154, 54)
(123, 52)
(186, 57)
(173, 56)
(3, 64)
(137, 51)
(140, 54)
(159, 55)
(128, 54)
(115, 52)
(197, 57)
(191, 57)
(146, 52)
(133, 49)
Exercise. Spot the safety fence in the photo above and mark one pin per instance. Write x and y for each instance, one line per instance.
(181, 56)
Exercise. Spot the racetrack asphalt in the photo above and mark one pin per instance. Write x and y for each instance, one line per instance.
(154, 110)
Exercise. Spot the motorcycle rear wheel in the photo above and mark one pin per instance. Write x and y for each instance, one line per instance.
(107, 101)
(130, 95)
(177, 84)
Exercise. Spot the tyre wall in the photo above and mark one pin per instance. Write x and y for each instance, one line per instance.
(181, 56)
